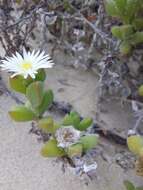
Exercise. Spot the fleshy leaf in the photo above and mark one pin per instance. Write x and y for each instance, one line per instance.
(125, 48)
(131, 8)
(89, 141)
(140, 90)
(47, 125)
(116, 32)
(50, 149)
(135, 143)
(84, 124)
(72, 119)
(41, 75)
(76, 118)
(137, 38)
(35, 93)
(18, 1)
(75, 150)
(138, 23)
(19, 84)
(122, 32)
(129, 185)
(121, 5)
(21, 113)
(47, 101)
(67, 120)
(111, 8)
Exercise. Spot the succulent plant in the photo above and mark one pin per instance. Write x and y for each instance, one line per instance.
(130, 33)
(69, 137)
(135, 144)
(130, 186)
(38, 100)
(140, 90)
(74, 119)
(66, 136)
(70, 134)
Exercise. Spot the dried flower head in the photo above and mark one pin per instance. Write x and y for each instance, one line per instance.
(66, 136)
(26, 64)
(139, 166)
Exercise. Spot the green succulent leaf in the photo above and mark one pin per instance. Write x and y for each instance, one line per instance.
(47, 125)
(76, 118)
(131, 9)
(138, 23)
(111, 8)
(140, 90)
(19, 84)
(18, 1)
(121, 5)
(71, 119)
(129, 12)
(129, 185)
(21, 113)
(35, 93)
(117, 32)
(126, 10)
(50, 149)
(135, 143)
(84, 124)
(89, 141)
(47, 101)
(137, 38)
(67, 120)
(122, 32)
(75, 150)
(41, 75)
(125, 48)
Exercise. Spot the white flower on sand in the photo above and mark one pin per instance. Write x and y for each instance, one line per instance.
(66, 136)
(26, 64)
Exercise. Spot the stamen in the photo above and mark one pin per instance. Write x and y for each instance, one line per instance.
(26, 65)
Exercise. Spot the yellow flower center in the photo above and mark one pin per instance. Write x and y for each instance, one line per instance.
(67, 135)
(26, 65)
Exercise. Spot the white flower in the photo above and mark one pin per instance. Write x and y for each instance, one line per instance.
(26, 64)
(66, 136)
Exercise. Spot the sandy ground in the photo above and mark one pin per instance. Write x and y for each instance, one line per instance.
(22, 167)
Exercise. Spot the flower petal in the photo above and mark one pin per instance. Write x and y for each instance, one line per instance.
(37, 60)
